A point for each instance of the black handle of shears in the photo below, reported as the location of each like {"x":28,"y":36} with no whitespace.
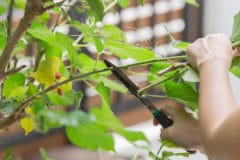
{"x":162,"y":118}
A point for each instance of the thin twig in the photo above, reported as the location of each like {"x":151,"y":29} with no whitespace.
{"x":141,"y":91}
{"x":172,"y":68}
{"x":9,"y":18}
{"x":54,"y":5}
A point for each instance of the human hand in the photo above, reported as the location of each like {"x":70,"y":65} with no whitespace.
{"x":210,"y":49}
{"x":185,"y":129}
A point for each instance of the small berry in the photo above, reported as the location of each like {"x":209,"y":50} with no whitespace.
{"x":58,"y":75}
{"x":59,"y":91}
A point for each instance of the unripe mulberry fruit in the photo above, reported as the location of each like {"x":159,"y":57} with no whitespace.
{"x":58,"y":75}
{"x":59,"y":91}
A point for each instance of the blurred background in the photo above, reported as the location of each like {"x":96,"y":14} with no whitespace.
{"x":144,"y":26}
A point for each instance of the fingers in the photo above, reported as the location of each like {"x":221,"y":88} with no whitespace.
{"x":166,"y":134}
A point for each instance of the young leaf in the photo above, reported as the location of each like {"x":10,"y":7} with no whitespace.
{"x":27,"y":123}
{"x":235,"y":37}
{"x":90,"y":136}
{"x":235,"y":67}
{"x":183,"y":93}
{"x":89,"y":35}
{"x":192,"y":2}
{"x":182,"y":45}
{"x":12,"y":82}
{"x":123,"y":3}
{"x":124,"y":51}
{"x":47,"y":70}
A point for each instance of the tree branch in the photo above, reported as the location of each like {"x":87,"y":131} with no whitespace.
{"x":9,"y":19}
{"x":16,"y":114}
{"x":33,"y":8}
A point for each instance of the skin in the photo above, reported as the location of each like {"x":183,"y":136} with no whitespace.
{"x":217,"y":132}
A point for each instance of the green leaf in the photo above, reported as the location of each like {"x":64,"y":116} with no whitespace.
{"x":106,"y":118}
{"x":191,"y":76}
{"x":192,"y":2}
{"x":43,"y":154}
{"x":170,"y":154}
{"x":183,"y":93}
{"x":123,"y":3}
{"x":20,"y":3}
{"x":141,"y":2}
{"x":96,"y":9}
{"x":89,"y":35}
{"x":2,"y":9}
{"x":168,"y":144}
{"x":9,"y":154}
{"x":182,"y":45}
{"x":67,"y":99}
{"x":48,"y":119}
{"x":66,"y":44}
{"x":41,"y":32}
{"x":104,"y":93}
{"x":53,"y":50}
{"x":112,"y":84}
{"x":235,"y":67}
{"x":156,"y":67}
{"x":90,"y":136}
{"x":12,"y":82}
{"x":124,"y":51}
{"x":235,"y":37}
{"x":89,"y":64}
{"x":112,"y":32}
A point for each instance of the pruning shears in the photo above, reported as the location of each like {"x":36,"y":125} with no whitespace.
{"x":161,"y":117}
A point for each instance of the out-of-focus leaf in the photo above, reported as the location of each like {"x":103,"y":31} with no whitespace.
{"x":95,"y":9}
{"x":156,"y":67}
{"x":106,"y":117}
{"x":67,"y":99}
{"x":192,"y":2}
{"x":9,"y":154}
{"x":47,"y":70}
{"x":90,"y":136}
{"x":182,"y":45}
{"x":112,"y":32}
{"x":170,"y":154}
{"x":123,"y":3}
{"x":235,"y":67}
{"x":235,"y":37}
{"x":112,"y":84}
{"x":141,"y":2}
{"x":27,"y":123}
{"x":12,"y":82}
{"x":2,"y":9}
{"x":41,"y":32}
{"x":124,"y":51}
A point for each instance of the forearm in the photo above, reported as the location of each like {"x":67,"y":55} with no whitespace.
{"x":216,"y":97}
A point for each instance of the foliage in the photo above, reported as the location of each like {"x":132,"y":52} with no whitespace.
{"x":31,"y":94}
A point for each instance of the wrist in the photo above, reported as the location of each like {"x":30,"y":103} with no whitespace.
{"x":214,"y":65}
